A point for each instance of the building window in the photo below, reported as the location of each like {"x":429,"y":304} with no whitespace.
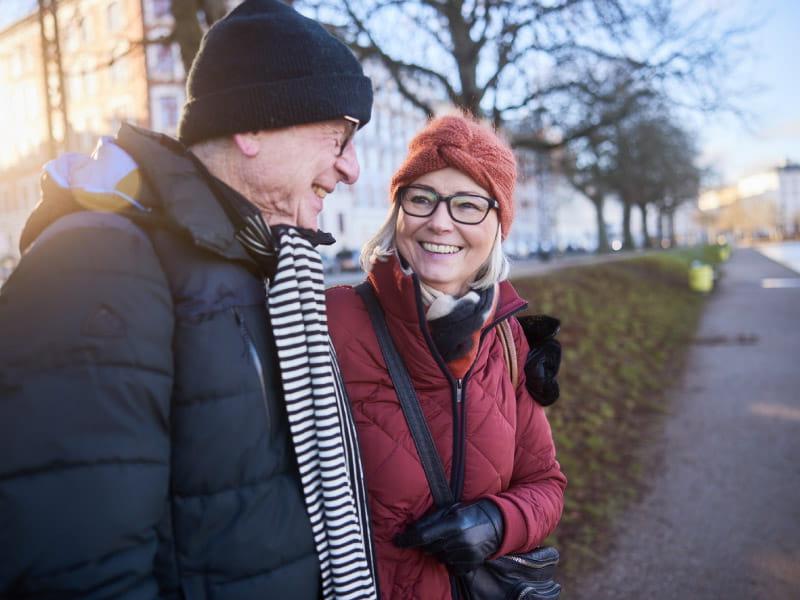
{"x":167,"y":113}
{"x":17,"y":62}
{"x":75,"y":86}
{"x":118,"y":71}
{"x":70,"y":37}
{"x":85,"y":30}
{"x":89,"y":78}
{"x":119,"y":115}
{"x":114,"y":17}
{"x":164,"y":63}
{"x":161,"y":8}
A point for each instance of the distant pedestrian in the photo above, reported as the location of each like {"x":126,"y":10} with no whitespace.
{"x":168,"y":428}
{"x":437,"y":269}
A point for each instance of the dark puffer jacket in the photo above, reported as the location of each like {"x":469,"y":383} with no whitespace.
{"x":144,"y":445}
{"x":494,"y":443}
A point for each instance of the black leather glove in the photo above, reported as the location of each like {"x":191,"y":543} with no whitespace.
{"x":462,"y":536}
{"x":544,"y":358}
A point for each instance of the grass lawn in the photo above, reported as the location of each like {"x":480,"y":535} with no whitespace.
{"x":626,"y":327}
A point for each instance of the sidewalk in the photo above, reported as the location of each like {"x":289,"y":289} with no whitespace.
{"x":721,"y":519}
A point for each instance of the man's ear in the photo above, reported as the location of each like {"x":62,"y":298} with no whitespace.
{"x":248,"y":143}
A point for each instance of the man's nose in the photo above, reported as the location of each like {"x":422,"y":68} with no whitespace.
{"x":347,"y":165}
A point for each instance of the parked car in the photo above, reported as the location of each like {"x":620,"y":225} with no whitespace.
{"x":329,"y":264}
{"x":348,"y":260}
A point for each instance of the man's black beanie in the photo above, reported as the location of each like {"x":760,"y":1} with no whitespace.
{"x":265,"y":66}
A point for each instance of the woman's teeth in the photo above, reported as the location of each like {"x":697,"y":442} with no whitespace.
{"x":440,"y":248}
{"x":320,"y":192}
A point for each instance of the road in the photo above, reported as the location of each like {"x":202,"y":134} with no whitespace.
{"x":721,"y":518}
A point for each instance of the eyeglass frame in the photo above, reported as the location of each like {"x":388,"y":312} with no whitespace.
{"x":446,"y":199}
{"x":349,"y":135}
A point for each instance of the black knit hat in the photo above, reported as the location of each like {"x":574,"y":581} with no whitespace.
{"x":266,"y":66}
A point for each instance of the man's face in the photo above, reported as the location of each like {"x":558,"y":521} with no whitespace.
{"x":296,"y":167}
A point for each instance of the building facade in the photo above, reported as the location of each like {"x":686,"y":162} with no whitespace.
{"x":789,"y":200}
{"x":115,"y":70}
{"x":761,"y":206}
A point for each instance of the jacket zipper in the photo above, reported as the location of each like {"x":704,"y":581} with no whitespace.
{"x":256,"y":360}
{"x":457,"y":476}
{"x":533,"y":564}
{"x":459,"y":413}
{"x":460,"y":441}
{"x":458,"y":456}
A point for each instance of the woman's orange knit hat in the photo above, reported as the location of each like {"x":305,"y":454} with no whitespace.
{"x":466,"y":145}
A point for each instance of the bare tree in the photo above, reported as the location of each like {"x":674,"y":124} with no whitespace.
{"x":586,"y":166}
{"x":191,"y":18}
{"x":684,"y":185}
{"x":645,"y":159}
{"x":654,"y":165}
{"x":509,"y":60}
{"x":592,"y":162}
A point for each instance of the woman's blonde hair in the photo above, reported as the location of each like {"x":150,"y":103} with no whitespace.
{"x":384,"y":244}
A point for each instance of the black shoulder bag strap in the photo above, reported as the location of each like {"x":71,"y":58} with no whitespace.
{"x":428,"y":456}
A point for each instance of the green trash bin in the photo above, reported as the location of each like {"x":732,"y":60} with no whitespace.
{"x":701,"y":277}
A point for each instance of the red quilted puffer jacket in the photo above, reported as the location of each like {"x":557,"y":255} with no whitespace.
{"x":495,"y":443}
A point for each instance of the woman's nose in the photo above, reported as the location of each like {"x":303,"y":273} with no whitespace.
{"x":440,"y":218}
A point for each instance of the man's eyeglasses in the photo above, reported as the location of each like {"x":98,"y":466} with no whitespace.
{"x":352,"y":126}
{"x":422,"y":201}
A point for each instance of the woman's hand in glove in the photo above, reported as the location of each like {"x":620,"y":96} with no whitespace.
{"x":462,"y":536}
{"x":544,"y":358}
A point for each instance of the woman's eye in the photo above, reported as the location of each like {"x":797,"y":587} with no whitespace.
{"x":466,"y":205}
{"x":424,"y":200}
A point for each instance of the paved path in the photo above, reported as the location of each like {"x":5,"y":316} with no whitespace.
{"x":721,"y":519}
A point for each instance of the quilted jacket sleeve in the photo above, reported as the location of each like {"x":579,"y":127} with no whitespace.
{"x":85,"y":383}
{"x":533,"y":503}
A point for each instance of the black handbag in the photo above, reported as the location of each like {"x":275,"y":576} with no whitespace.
{"x":524,"y":576}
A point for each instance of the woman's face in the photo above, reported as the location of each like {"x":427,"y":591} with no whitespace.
{"x":445,"y":254}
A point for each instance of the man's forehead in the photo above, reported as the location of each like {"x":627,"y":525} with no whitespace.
{"x":331,"y":126}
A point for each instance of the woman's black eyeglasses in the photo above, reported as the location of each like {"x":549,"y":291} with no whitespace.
{"x":463,"y":207}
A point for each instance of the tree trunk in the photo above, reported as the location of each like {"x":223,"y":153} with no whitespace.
{"x":602,"y":234}
{"x":671,"y":220}
{"x":186,"y":31}
{"x":660,"y":226}
{"x":466,"y":58}
{"x":647,"y":241}
{"x":627,"y":238}
{"x":216,"y":9}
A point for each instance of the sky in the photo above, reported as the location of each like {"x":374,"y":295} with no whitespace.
{"x":732,"y":148}
{"x":735,"y":149}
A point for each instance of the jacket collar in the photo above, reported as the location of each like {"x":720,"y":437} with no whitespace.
{"x":400,"y":297}
{"x":188,"y":195}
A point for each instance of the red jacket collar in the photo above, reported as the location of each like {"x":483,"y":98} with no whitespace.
{"x":399,"y":293}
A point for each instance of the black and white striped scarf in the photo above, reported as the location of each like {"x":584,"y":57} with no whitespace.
{"x":320,"y":421}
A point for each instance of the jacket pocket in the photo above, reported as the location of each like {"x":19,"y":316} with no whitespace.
{"x":252,"y":353}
